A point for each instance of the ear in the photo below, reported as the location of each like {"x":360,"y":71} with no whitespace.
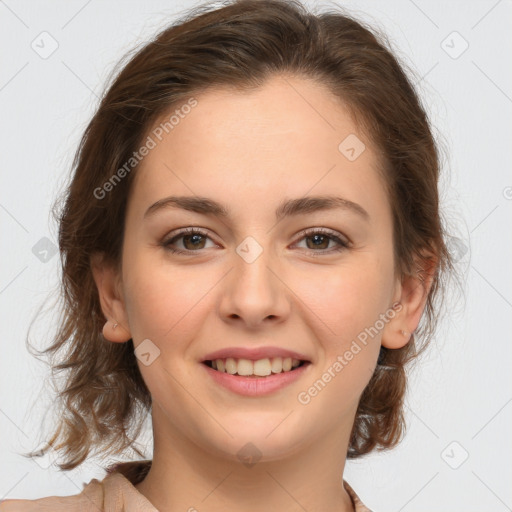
{"x":411,"y":292}
{"x":108,"y":282}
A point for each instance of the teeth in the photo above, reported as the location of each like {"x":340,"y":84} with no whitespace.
{"x":262,"y":367}
{"x":259,"y":368}
{"x":245,"y":367}
{"x":277,"y":365}
{"x":231,"y":366}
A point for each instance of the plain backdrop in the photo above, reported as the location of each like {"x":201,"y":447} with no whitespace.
{"x":456,"y":456}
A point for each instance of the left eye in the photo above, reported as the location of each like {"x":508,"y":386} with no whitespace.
{"x":320,"y":239}
{"x":194,"y":239}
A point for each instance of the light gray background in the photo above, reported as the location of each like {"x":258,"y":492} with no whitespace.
{"x":459,"y":402}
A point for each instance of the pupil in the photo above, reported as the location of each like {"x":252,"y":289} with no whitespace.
{"x":318,"y":238}
{"x":196,"y":237}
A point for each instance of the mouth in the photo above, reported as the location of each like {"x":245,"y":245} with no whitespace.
{"x":260,"y":368}
{"x":256,"y":377}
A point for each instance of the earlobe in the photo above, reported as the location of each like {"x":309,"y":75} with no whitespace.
{"x":393,"y":335}
{"x":106,"y":277}
{"x":413,"y":294}
{"x":113,"y":331}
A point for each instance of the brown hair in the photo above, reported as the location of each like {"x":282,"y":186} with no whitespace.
{"x":241,"y":44}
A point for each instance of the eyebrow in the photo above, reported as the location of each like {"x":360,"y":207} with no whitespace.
{"x":287,"y":208}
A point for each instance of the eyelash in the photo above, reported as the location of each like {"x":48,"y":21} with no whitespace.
{"x":343,"y":245}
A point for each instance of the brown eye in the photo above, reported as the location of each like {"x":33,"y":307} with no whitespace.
{"x":193,"y":240}
{"x":317,"y":241}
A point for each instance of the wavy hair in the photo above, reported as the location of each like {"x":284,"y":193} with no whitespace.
{"x":241,"y":44}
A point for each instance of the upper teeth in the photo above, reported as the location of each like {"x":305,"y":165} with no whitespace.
{"x":261,"y":367}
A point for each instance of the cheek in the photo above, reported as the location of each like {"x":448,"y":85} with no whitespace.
{"x":344,"y":300}
{"x":347,"y":308}
{"x":162,"y":301}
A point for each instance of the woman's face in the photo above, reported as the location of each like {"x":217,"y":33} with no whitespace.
{"x":251,"y":280}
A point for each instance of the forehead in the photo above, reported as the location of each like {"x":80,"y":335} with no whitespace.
{"x":290,"y":134}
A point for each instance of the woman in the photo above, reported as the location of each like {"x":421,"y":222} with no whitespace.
{"x":250,"y":240}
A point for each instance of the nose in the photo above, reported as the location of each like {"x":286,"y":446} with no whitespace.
{"x":254,"y":293}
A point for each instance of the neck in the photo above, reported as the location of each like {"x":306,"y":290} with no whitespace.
{"x":185,"y":476}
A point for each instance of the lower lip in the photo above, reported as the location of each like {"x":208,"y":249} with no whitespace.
{"x":256,"y":386}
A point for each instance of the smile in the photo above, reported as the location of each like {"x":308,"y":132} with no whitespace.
{"x":258,"y":368}
{"x":255,"y":378}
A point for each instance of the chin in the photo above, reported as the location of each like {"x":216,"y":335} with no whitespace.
{"x":256,"y":438}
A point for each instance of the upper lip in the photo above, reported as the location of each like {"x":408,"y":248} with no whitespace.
{"x":254,"y":354}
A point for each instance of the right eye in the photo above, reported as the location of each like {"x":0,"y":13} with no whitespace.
{"x":192,"y":237}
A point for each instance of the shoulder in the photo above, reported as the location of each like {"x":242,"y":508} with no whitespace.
{"x":116,"y":489}
{"x":91,"y":498}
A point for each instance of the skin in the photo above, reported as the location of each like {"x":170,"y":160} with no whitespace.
{"x":249,"y":151}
